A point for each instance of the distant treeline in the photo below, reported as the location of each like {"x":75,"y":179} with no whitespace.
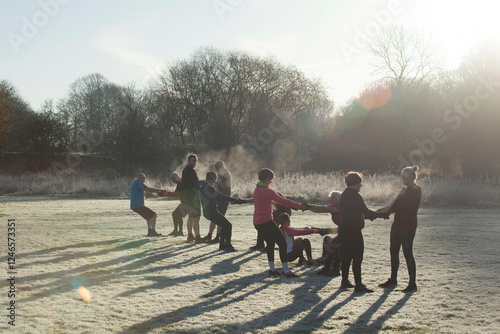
{"x":444,"y":121}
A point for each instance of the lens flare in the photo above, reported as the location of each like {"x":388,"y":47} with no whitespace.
{"x":80,"y":289}
{"x":84,"y":294}
{"x":375,"y":97}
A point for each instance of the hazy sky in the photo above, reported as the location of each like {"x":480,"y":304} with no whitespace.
{"x":47,"y":44}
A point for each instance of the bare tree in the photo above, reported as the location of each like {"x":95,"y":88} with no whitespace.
{"x":406,"y":58}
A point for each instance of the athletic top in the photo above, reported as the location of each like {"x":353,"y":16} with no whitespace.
{"x":263,"y":197}
{"x":137,"y":194}
{"x":353,"y":210}
{"x":209,"y":196}
{"x":290,"y":232}
{"x":191,"y":185}
{"x":405,"y":207}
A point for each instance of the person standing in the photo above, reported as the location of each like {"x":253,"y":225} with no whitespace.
{"x":223,"y":186}
{"x":354,"y":211}
{"x":191,"y":186}
{"x":183,"y":209}
{"x":263,"y":198}
{"x":137,"y":190}
{"x":403,"y":229}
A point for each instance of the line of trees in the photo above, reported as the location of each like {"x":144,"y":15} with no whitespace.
{"x":448,"y":121}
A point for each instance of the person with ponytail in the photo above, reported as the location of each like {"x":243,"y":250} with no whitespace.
{"x":403,"y":229}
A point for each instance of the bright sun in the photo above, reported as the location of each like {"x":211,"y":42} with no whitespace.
{"x":456,"y":26}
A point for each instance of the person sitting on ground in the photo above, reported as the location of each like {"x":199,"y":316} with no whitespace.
{"x":331,"y":246}
{"x":296,"y":247}
{"x":137,"y":190}
{"x":209,"y":196}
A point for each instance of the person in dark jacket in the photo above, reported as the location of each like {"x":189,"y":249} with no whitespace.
{"x":183,"y":209}
{"x":403,"y":229}
{"x":223,"y":185}
{"x":191,"y":186}
{"x":209,"y":198}
{"x":354,"y":211}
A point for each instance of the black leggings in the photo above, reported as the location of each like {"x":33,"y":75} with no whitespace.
{"x":273,"y":235}
{"x":403,"y":238}
{"x":352,"y":251}
{"x":226,"y":227}
{"x":299,"y":247}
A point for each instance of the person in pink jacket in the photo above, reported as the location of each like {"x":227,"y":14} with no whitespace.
{"x":263,"y":198}
{"x":296,"y":247}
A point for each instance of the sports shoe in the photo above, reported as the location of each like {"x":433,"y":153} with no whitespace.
{"x":191,"y":238}
{"x":207,"y":238}
{"x":410,"y":288}
{"x":154,"y":234}
{"x":301,"y":262}
{"x":290,"y":275}
{"x":173,"y":233}
{"x":273,"y":273}
{"x":214,"y":240}
{"x":362,"y":288}
{"x":390,"y":283}
{"x":198,"y":240}
{"x":346,"y":284}
{"x":179,"y":234}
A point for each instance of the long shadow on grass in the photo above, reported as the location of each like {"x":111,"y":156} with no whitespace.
{"x":245,"y":287}
{"x":223,"y":267}
{"x":216,"y":299}
{"x":376,"y":325}
{"x":82,"y":253}
{"x":118,"y":268}
{"x":319,"y":314}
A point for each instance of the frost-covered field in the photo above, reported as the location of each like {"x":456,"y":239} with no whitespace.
{"x":165,"y":285}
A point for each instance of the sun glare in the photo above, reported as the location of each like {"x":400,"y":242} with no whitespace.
{"x":455,"y":26}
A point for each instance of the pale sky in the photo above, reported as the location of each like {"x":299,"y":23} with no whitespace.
{"x":48,"y":44}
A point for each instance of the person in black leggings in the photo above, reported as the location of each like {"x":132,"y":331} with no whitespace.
{"x":354,"y":211}
{"x":405,"y":207}
{"x":209,"y":196}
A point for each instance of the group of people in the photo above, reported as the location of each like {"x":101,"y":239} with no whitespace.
{"x":271,"y":219}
